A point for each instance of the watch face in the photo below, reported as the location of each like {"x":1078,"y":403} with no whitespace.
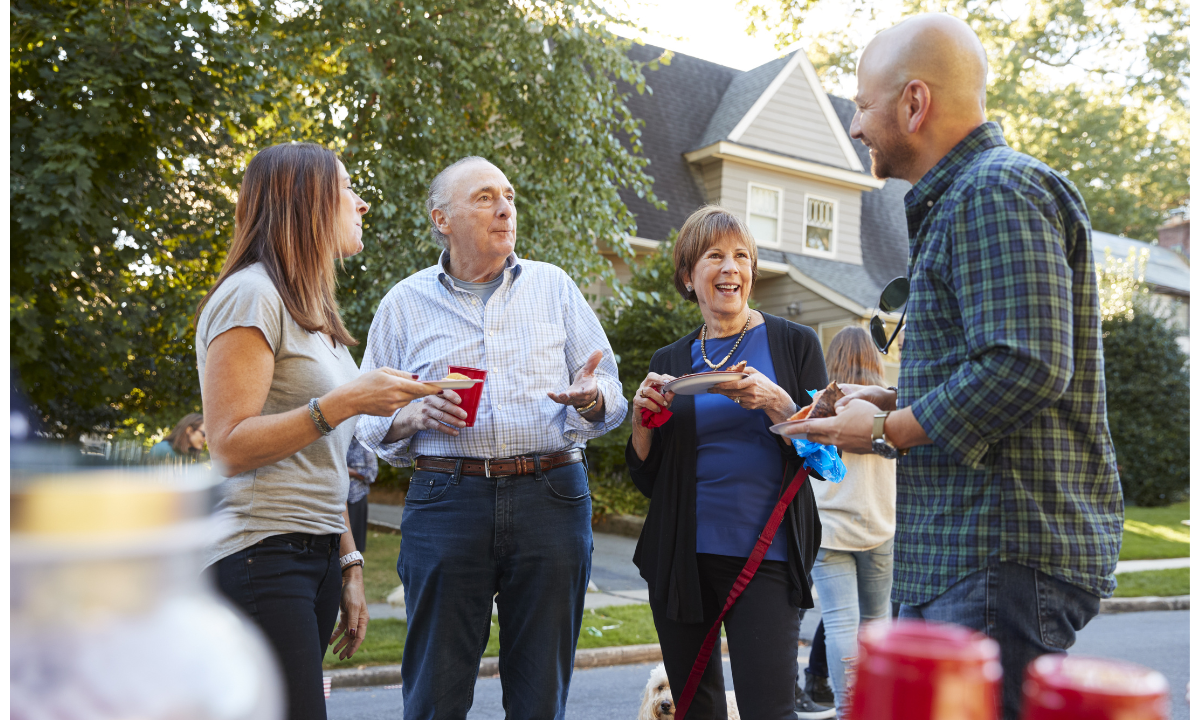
{"x":881,"y":448}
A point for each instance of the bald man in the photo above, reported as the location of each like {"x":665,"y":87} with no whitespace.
{"x":1008,"y":509}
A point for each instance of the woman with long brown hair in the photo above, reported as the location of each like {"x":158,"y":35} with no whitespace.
{"x":853,"y":569}
{"x":186,"y":441}
{"x":281,"y":398}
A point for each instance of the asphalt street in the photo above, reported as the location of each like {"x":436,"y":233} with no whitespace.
{"x":1155,"y":639}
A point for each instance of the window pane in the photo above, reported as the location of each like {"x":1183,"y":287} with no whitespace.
{"x":817,"y":238}
{"x":820,"y":213}
{"x":764,"y":202}
{"x":764,"y":229}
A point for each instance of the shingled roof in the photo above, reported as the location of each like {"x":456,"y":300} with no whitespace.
{"x":695,"y":103}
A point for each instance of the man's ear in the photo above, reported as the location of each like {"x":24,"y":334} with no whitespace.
{"x":915,"y":103}
{"x":440,"y":220}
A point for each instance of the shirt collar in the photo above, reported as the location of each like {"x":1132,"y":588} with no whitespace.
{"x":929,"y":189}
{"x":511,"y":264}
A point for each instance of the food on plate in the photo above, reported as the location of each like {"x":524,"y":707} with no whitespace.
{"x":822,"y":405}
{"x":736,"y":367}
{"x":456,"y":376}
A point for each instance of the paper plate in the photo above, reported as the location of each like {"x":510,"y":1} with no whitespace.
{"x":779,"y":430}
{"x":701,"y":382}
{"x":452,"y":384}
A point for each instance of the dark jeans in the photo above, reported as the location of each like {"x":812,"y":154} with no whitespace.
{"x":1028,"y":612}
{"x":291,"y":586}
{"x":762,"y":629}
{"x":358,"y":522}
{"x":525,"y":539}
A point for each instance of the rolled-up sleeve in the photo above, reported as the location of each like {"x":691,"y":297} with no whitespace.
{"x":1013,"y":285}
{"x":384,"y":349}
{"x":584,"y":335}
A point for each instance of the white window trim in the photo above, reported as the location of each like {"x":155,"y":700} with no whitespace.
{"x":833,"y":235}
{"x":779,"y":218}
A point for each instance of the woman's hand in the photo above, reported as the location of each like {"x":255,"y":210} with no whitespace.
{"x":880,"y":397}
{"x":649,"y":396}
{"x":380,"y":392}
{"x":757,"y":392}
{"x":352,"y":625}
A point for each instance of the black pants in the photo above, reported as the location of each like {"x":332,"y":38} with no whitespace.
{"x":291,"y":586}
{"x":358,"y":523}
{"x":762,"y":629}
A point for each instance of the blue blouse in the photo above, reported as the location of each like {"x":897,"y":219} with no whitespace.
{"x":739,"y":468}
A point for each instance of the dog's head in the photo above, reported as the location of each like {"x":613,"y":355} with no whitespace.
{"x":657,"y":703}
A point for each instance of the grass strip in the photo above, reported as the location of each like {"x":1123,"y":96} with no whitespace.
{"x":610,"y":627}
{"x":379,"y":571}
{"x":1154,"y":583}
{"x":1156,"y":532}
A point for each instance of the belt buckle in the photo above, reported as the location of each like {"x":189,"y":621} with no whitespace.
{"x":487,"y":468}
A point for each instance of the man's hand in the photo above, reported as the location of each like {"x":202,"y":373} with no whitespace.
{"x":849,"y":430}
{"x":584,"y":390}
{"x":439,"y":412}
{"x":880,"y":397}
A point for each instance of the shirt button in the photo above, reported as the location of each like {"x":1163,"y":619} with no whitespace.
{"x":929,"y":203}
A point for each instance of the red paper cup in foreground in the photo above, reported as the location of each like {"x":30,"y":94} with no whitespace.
{"x":913,"y":670}
{"x":470,"y":396}
{"x":1088,"y":688}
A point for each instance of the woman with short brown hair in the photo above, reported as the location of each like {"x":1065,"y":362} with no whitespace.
{"x":713,"y":473}
{"x":281,"y":395}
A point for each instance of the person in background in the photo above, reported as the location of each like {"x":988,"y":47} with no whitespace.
{"x":853,"y":570}
{"x":187,"y":440}
{"x":363,"y":467}
{"x":282,"y":395}
{"x":714,"y":472}
{"x":814,"y":695}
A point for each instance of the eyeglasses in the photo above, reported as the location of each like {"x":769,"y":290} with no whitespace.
{"x":893,"y":297}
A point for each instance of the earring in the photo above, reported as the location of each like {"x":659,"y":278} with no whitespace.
{"x":689,"y":287}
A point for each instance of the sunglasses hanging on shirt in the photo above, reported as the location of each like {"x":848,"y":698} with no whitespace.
{"x":893,"y":297}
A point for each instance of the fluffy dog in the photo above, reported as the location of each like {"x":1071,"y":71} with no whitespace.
{"x":657,"y":703}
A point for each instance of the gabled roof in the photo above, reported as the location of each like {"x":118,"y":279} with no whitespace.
{"x":1166,"y":272}
{"x":745,"y":89}
{"x":676,"y":112}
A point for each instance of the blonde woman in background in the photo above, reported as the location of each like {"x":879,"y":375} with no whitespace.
{"x":853,"y":569}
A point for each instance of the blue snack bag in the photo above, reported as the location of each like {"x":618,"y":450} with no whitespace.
{"x":824,"y":459}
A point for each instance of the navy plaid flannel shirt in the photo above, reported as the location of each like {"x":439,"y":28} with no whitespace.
{"x":1003,"y":367}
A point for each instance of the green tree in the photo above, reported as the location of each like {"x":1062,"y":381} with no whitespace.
{"x":1094,"y":88}
{"x":125,"y":140}
{"x":655,"y":317}
{"x":132,"y":123}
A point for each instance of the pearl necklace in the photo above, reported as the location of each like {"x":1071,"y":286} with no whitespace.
{"x":704,"y":336}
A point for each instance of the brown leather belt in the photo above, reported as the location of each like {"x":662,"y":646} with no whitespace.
{"x":499,"y":467}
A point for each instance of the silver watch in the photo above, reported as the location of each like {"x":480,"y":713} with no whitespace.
{"x":348,"y":558}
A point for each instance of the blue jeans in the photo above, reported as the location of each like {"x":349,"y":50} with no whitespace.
{"x":525,"y":539}
{"x":854,"y":587}
{"x":291,"y":586}
{"x":1028,"y":612}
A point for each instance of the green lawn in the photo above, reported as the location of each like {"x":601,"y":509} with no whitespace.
{"x":606,"y":627}
{"x":379,"y":572}
{"x":1152,"y":533}
{"x":1161,"y":583}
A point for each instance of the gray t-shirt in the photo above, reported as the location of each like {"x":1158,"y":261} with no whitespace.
{"x":306,"y":492}
{"x":483,"y":290}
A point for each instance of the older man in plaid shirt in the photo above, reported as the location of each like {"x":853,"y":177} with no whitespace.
{"x":499,"y":509}
{"x":1009,"y":509}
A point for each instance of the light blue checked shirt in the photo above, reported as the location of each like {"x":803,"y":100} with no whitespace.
{"x":532,"y":336}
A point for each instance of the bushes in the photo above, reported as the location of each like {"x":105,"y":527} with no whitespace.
{"x":654,"y":317}
{"x":1145,"y":372}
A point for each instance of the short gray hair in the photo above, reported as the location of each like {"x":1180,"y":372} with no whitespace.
{"x":439,"y":197}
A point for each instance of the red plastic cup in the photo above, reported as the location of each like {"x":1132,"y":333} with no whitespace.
{"x":913,"y":670}
{"x":1089,"y":688}
{"x":470,"y":396}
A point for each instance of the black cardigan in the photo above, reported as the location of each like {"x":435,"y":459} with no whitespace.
{"x":666,"y":550}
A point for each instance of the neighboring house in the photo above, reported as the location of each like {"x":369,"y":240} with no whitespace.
{"x":1167,"y":275}
{"x":772,"y":146}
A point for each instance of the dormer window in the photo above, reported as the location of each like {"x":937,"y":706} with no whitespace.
{"x":820,"y":217}
{"x":765,"y":213}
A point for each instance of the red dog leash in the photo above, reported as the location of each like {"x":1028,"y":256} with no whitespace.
{"x":743,"y":579}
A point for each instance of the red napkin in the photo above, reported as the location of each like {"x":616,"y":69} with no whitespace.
{"x":654,"y":419}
